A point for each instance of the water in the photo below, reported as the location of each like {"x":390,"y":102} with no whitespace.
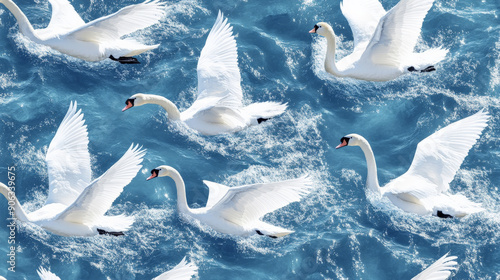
{"x":339,"y":233}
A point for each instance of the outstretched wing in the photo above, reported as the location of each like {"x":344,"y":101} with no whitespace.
{"x":215,"y":192}
{"x":121,"y":23}
{"x":97,"y":198}
{"x":246,"y":204}
{"x":64,"y":17}
{"x":182,"y":271}
{"x":440,"y":270}
{"x":363,"y":17}
{"x":68,"y":159}
{"x":397,"y":32}
{"x":218,"y":73}
{"x":439,"y":156}
{"x":46,"y":275}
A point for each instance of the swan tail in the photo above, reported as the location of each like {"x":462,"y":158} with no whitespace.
{"x":272,"y":231}
{"x":262,"y":111}
{"x":115,"y":223}
{"x":423,"y":61}
{"x":456,"y":205}
{"x":130,"y":47}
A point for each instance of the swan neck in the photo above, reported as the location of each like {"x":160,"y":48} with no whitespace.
{"x":172,"y":110}
{"x":13,"y":202}
{"x":330,"y":65}
{"x":371,"y":178}
{"x":24,"y":25}
{"x":181,"y":192}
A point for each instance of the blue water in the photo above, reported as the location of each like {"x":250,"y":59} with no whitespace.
{"x":339,"y":234}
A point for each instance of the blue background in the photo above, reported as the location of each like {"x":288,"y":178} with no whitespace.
{"x":340,"y":233}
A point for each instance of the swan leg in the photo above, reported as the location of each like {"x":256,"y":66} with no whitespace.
{"x":114,"y":233}
{"x":428,"y":69}
{"x":440,"y":214}
{"x":125,"y":59}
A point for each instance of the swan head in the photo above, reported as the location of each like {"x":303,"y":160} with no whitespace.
{"x":350,"y":140}
{"x":161,"y":171}
{"x":134,"y":100}
{"x":322,"y":28}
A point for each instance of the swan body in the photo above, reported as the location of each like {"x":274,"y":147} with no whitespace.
{"x":424,"y":188}
{"x":218,"y":108}
{"x":237,"y":210}
{"x":95,"y":40}
{"x":76,"y":205}
{"x":439,"y":270}
{"x":383,"y":41}
{"x":182,"y":271}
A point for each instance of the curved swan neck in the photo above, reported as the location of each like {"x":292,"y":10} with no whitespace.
{"x":330,"y":65}
{"x":181,"y":191}
{"x":172,"y":110}
{"x":11,"y":196}
{"x":24,"y":25}
{"x":371,"y":177}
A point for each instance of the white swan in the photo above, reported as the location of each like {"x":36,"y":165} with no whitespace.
{"x":424,"y":188}
{"x":218,"y":108}
{"x":182,"y":271}
{"x":96,"y":40}
{"x":238,"y":210}
{"x":76,"y":205}
{"x":439,"y":270}
{"x":383,"y":42}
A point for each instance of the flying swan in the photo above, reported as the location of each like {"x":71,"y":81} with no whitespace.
{"x":439,"y":270}
{"x":76,"y":205}
{"x":238,"y":210}
{"x":424,"y":188}
{"x":182,"y":271}
{"x":383,"y":41}
{"x":218,"y":108}
{"x":96,"y":40}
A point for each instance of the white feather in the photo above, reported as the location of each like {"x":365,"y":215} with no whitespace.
{"x":46,"y":275}
{"x":439,"y":270}
{"x":182,"y":271}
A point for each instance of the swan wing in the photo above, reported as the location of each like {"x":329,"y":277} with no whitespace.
{"x":64,"y":17}
{"x":215,"y":192}
{"x":218,"y":72}
{"x":439,"y":156}
{"x":68,"y":159}
{"x":363,"y":17}
{"x":46,"y":275}
{"x":439,"y":270}
{"x":397,"y":32}
{"x":121,"y":23}
{"x":246,"y":204}
{"x":97,"y":198}
{"x":182,"y":271}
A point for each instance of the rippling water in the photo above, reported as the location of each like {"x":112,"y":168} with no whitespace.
{"x":340,"y":233}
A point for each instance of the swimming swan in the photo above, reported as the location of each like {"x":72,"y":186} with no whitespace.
{"x":423,"y":189}
{"x":218,"y":108}
{"x":238,"y":210}
{"x":383,"y":41}
{"x":182,"y":271}
{"x":439,"y":270}
{"x":76,"y":205}
{"x":96,"y":40}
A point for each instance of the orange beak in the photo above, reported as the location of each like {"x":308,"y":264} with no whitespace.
{"x":129,"y":105}
{"x":343,"y":144}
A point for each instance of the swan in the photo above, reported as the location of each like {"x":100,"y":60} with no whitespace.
{"x":218,"y":108}
{"x":96,"y":40}
{"x":439,"y":270}
{"x":424,"y":188}
{"x":237,"y":210}
{"x":76,"y":205}
{"x":182,"y":271}
{"x":383,"y":41}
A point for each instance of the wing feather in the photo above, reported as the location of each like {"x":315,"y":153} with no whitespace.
{"x":363,"y":17}
{"x":218,"y":72}
{"x":439,"y":270}
{"x":64,"y":17}
{"x":68,"y":159}
{"x":97,"y":198}
{"x":246,"y":204}
{"x":46,"y":275}
{"x":182,"y":271}
{"x":397,"y":32}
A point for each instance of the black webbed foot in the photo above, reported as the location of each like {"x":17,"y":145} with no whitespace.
{"x":114,"y":233}
{"x":125,"y":59}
